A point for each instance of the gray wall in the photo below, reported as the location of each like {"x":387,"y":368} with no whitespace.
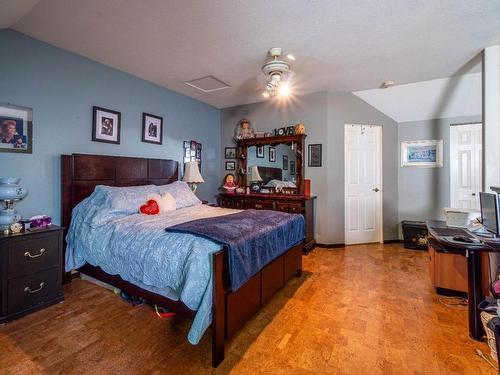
{"x":62,"y":87}
{"x":424,"y":192}
{"x":324,"y":115}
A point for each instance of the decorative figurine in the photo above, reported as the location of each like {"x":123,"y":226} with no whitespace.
{"x":300,"y":129}
{"x":16,"y":227}
{"x":244,"y":130}
{"x":229,"y":184}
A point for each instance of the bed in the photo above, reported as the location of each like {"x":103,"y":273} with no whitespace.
{"x":229,"y":309}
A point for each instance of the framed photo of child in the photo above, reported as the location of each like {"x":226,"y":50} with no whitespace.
{"x":16,"y":129}
{"x":106,"y":125}
{"x":152,"y":128}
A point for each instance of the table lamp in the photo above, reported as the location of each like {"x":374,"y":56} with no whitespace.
{"x":254,"y":178}
{"x":192,"y":175}
{"x":10,"y":192}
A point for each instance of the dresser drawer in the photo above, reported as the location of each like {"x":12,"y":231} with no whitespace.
{"x":259,"y":205}
{"x":29,"y":291}
{"x":294,"y":208}
{"x":232,"y":203}
{"x":27,"y":257}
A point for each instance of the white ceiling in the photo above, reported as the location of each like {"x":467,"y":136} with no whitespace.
{"x":13,"y":10}
{"x":344,"y":45}
{"x":440,"y":98}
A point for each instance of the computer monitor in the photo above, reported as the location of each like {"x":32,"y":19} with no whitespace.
{"x":490,"y":212}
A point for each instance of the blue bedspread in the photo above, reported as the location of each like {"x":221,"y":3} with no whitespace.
{"x":253,"y":238}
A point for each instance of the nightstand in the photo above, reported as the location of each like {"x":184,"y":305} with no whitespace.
{"x":30,"y":271}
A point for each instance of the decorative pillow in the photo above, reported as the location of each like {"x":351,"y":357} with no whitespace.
{"x":164,"y":201}
{"x":150,"y":208}
{"x":182,"y":193}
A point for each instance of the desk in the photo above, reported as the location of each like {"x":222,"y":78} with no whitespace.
{"x":441,"y":238}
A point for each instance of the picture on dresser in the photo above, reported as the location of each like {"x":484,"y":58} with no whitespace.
{"x":230,"y":152}
{"x":152,"y":128}
{"x":314,"y":157}
{"x":16,"y":128}
{"x":105,"y":125}
{"x":230,"y":165}
{"x":272,"y":154}
{"x":259,"y":151}
{"x":285,"y":162}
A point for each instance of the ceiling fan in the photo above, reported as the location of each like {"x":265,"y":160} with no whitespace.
{"x":278,"y":74}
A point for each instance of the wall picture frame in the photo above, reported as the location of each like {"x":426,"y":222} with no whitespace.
{"x":285,"y":162}
{"x":152,"y":128}
{"x":106,"y":125}
{"x":422,"y":153}
{"x":259,"y":152}
{"x":16,"y":129}
{"x":314,"y":155}
{"x":230,"y":165}
{"x":230,"y":152}
{"x":272,"y":154}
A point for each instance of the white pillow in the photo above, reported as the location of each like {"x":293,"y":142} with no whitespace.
{"x":166,"y":202}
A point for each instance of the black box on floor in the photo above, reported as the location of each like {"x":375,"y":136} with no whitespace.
{"x":414,"y":234}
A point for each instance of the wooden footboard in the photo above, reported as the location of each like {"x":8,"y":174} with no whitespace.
{"x":231,"y":309}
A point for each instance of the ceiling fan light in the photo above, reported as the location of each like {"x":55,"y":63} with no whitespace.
{"x":290,"y":57}
{"x":284,"y":90}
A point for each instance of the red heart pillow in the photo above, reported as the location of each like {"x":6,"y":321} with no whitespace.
{"x":150,"y":208}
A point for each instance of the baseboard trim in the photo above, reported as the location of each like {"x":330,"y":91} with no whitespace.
{"x":392,"y":241}
{"x":330,"y":245}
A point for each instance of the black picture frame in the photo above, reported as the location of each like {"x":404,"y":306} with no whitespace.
{"x":230,"y":165}
{"x":259,"y":152}
{"x":18,"y":121}
{"x":102,"y":137}
{"x":272,"y":154}
{"x":292,"y":167}
{"x":314,"y":155}
{"x":285,"y":162}
{"x":230,"y":152}
{"x":150,"y":132}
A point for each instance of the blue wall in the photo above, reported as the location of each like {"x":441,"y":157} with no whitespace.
{"x":62,"y":87}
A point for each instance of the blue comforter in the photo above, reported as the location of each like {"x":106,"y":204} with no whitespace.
{"x":253,"y":238}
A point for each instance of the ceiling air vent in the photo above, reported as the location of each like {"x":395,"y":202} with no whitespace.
{"x":207,"y":84}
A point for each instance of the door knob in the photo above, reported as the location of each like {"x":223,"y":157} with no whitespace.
{"x":376,"y":190}
{"x":473,"y":194}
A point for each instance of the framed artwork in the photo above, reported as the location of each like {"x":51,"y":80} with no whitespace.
{"x":106,"y":125}
{"x":259,"y":151}
{"x":152,"y":128}
{"x":292,"y":167}
{"x":230,"y":152}
{"x":192,"y":152}
{"x":16,"y":129}
{"x":285,"y":162}
{"x":314,"y":155}
{"x":272,"y":154}
{"x":230,"y":165}
{"x":423,"y":154}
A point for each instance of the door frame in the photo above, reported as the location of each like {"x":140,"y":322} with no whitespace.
{"x":380,"y":171}
{"x":451,"y":150}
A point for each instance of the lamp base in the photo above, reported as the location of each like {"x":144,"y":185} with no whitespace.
{"x":193,"y":186}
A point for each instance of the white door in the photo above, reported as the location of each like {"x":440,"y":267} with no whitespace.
{"x":466,"y":149}
{"x":363,"y":183}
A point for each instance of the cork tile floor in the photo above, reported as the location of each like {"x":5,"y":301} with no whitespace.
{"x":366,"y":309}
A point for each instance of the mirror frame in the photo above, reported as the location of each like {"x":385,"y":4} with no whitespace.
{"x":242,"y":156}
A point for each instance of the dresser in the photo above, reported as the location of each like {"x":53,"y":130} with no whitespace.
{"x":30,"y":271}
{"x":292,"y":203}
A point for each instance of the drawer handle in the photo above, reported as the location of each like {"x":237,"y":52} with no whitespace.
{"x":27,"y":289}
{"x":258,"y":206}
{"x":28,"y":254}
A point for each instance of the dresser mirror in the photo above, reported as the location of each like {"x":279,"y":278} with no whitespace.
{"x":271,"y":164}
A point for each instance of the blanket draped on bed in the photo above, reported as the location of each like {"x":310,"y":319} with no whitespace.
{"x":253,"y":238}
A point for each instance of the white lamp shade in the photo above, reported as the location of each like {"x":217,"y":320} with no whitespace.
{"x":254,"y":174}
{"x":192,"y":173}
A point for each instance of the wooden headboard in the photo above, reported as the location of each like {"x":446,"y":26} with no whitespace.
{"x":81,"y":173}
{"x":270,"y":173}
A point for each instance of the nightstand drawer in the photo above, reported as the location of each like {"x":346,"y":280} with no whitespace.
{"x":36,"y":254}
{"x":29,"y":291}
